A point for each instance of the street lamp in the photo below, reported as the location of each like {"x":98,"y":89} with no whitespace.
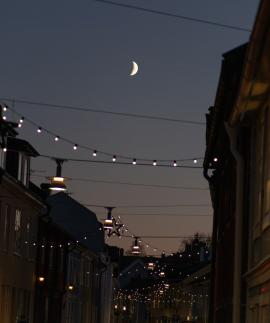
{"x":108,"y":223}
{"x":58,"y":182}
{"x":136,"y":247}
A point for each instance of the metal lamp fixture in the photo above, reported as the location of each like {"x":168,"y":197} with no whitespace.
{"x":136,"y":247}
{"x":58,"y":182}
{"x":108,"y":223}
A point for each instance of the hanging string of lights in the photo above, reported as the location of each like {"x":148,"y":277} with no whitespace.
{"x":119,"y":159}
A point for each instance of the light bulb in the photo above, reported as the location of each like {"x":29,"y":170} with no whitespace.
{"x":195,"y":161}
{"x":75,"y":147}
{"x":154,"y":163}
{"x":114,"y":159}
{"x":215,"y":159}
{"x":134,"y":162}
{"x":56,"y":138}
{"x":4,"y":118}
{"x":5,"y":149}
{"x":21,"y":119}
{"x":39,"y":130}
{"x":175,"y":163}
{"x":19,"y":125}
{"x":95,"y":153}
{"x":5,"y":108}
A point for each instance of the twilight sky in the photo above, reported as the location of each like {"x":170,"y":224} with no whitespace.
{"x":79,"y":53}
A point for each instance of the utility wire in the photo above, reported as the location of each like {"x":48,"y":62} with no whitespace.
{"x":130,"y":183}
{"x":149,"y":206}
{"x":165,"y":237}
{"x":123,"y":114}
{"x":191,"y":19}
{"x":163,"y":214}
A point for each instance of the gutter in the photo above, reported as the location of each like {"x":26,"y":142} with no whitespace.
{"x":232,"y":133}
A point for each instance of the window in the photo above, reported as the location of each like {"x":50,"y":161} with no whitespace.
{"x":23,"y":169}
{"x":5,"y":231}
{"x":17,"y":232}
{"x":2,"y":158}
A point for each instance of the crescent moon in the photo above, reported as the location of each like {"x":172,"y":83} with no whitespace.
{"x":135,"y":69}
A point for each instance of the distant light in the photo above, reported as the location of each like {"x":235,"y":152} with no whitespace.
{"x":114,"y":159}
{"x":5,"y":108}
{"x":124,"y":308}
{"x":70,"y":287}
{"x":19,"y":125}
{"x":116,"y":306}
{"x":75,"y":147}
{"x":134,"y":162}
{"x":21,"y":119}
{"x":95,"y":153}
{"x":215,"y":159}
{"x":154,"y":163}
{"x":175,"y":163}
{"x":195,"y":161}
{"x":41,"y":279}
{"x":5,"y":149}
{"x":4,"y":118}
{"x":56,"y":138}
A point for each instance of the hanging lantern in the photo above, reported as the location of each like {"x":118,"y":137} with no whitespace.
{"x":108,"y":223}
{"x":151,"y":266}
{"x":58,"y":182}
{"x":136,"y":247}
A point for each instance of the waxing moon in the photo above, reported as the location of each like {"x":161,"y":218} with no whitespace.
{"x":135,"y":68}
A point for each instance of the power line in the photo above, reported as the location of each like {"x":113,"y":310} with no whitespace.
{"x":165,"y":237}
{"x":131,"y":183}
{"x":163,"y":214}
{"x":92,"y":110}
{"x":150,"y":206}
{"x":192,"y":19}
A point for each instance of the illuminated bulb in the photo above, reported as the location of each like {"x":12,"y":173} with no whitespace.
{"x":4,"y":118}
{"x":124,"y":308}
{"x":114,"y":159}
{"x":4,"y":108}
{"x":19,"y":125}
{"x":41,"y":279}
{"x":22,"y":119}
{"x":56,"y":138}
{"x":134,"y":162}
{"x":175,"y":163}
{"x":70,"y":287}
{"x":95,"y":153}
{"x":154,"y":163}
{"x":39,"y":130}
{"x":195,"y":161}
{"x":215,"y":159}
{"x":5,"y":149}
{"x":75,"y":147}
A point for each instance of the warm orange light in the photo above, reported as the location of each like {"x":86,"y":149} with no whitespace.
{"x":41,"y":279}
{"x":70,"y":287}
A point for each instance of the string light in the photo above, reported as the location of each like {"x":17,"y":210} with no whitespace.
{"x":21,"y":120}
{"x":154,"y":163}
{"x":114,"y":158}
{"x":94,"y":152}
{"x":175,"y":163}
{"x":75,"y":147}
{"x":56,"y":138}
{"x":4,"y":118}
{"x":134,"y":162}
{"x":195,"y":161}
{"x":215,"y":159}
{"x":5,"y":108}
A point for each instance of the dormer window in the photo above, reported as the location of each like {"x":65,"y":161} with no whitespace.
{"x":23,"y":168}
{"x":18,"y":158}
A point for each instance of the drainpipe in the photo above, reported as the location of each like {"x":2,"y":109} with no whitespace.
{"x":237,"y":279}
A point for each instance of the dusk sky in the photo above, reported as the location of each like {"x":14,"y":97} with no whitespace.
{"x":80,"y":53}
